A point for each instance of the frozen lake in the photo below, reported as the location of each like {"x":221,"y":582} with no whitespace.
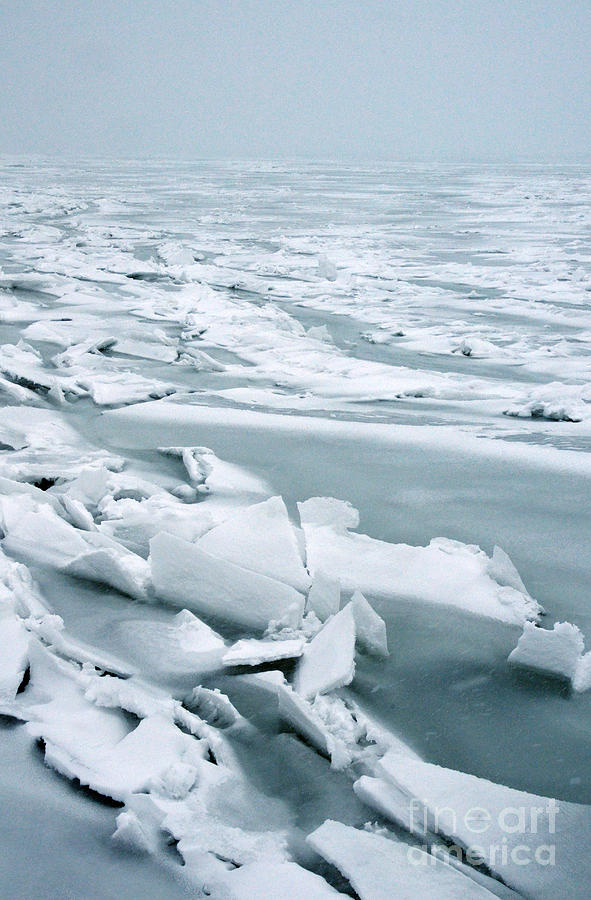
{"x":415,"y":341}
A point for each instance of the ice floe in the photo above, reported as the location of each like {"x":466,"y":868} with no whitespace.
{"x":384,"y":868}
{"x":184,"y":574}
{"x":250,"y":652}
{"x":559,"y":652}
{"x":446,"y":572}
{"x":328,"y":660}
{"x":536,"y":845}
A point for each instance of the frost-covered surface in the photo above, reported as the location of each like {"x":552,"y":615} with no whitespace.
{"x":292,"y":459}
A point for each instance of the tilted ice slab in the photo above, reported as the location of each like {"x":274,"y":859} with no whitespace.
{"x":34,"y":530}
{"x":184,"y":574}
{"x":262,"y":539}
{"x":370,"y":629}
{"x":251,"y":652}
{"x":185,"y":645}
{"x":538,"y":846}
{"x":384,"y":868}
{"x":445,"y":572}
{"x":324,"y":596}
{"x":328,"y":661}
{"x":559,"y":652}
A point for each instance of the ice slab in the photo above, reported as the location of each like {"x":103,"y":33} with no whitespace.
{"x":260,"y":538}
{"x":539,"y":846}
{"x":182,"y":573}
{"x":328,"y":661}
{"x":14,"y":642}
{"x":370,"y":629}
{"x":185,"y":646}
{"x":270,"y":880}
{"x":558,"y":652}
{"x":251,"y":652}
{"x":324,"y":596}
{"x":446,"y":572}
{"x":384,"y":868}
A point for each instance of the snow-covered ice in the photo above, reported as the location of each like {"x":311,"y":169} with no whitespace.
{"x":184,"y":574}
{"x":381,"y":868}
{"x":328,"y":660}
{"x":445,"y":571}
{"x":559,"y":652}
{"x":293,"y":458}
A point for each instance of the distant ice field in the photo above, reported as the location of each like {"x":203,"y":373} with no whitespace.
{"x":191,"y":355}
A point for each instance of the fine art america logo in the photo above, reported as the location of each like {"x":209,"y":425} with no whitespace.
{"x":515,"y":835}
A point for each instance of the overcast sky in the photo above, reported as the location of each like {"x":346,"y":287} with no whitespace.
{"x":385,"y":79}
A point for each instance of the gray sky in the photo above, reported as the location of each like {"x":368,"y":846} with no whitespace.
{"x":386,"y":79}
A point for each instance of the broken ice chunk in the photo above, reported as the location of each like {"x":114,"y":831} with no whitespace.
{"x":34,"y":530}
{"x":384,"y":868}
{"x":208,"y":473}
{"x":195,"y":461}
{"x":122,"y":388}
{"x":536,"y":845}
{"x":445,"y":572}
{"x":215,"y":708}
{"x":370,"y":629}
{"x":183,"y":573}
{"x":260,"y":538}
{"x":251,"y":652}
{"x":305,"y":720}
{"x":559,"y":652}
{"x":324,"y":597}
{"x":328,"y":661}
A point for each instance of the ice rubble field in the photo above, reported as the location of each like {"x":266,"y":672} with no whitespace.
{"x":294,"y":491}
